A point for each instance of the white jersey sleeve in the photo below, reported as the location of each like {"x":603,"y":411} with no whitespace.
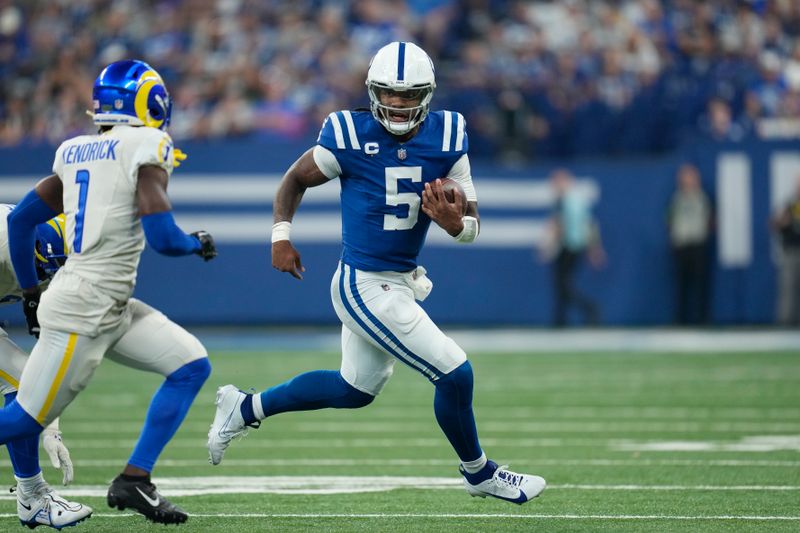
{"x":462,"y":173}
{"x":154,"y":148}
{"x":327,"y":162}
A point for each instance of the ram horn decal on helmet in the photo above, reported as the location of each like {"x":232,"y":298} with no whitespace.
{"x":50,"y":246}
{"x":131,"y":92}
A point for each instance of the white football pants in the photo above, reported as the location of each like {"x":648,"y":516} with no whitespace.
{"x":382,"y":322}
{"x":62,"y":363}
{"x":12,"y":361}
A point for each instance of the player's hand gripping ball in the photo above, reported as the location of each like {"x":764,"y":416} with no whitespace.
{"x":449,"y":185}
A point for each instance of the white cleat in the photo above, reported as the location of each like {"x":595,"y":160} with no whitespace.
{"x":46,"y":508}
{"x":228,"y":422}
{"x":507,"y":485}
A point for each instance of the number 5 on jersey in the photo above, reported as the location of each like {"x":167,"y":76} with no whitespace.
{"x":395,"y":198}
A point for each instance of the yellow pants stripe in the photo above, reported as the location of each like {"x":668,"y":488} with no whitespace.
{"x":62,"y":370}
{"x":8,"y":378}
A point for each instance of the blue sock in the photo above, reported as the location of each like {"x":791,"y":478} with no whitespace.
{"x":24,"y":449}
{"x":485,"y":473}
{"x":452,"y":404}
{"x":167,"y":410}
{"x":318,"y":389}
{"x":246,"y":409}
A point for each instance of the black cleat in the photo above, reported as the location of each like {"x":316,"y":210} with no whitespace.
{"x":142,"y":496}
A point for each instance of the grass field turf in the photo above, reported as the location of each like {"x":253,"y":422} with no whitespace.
{"x":584,"y":421}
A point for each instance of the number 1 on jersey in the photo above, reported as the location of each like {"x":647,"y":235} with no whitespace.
{"x":82,"y":179}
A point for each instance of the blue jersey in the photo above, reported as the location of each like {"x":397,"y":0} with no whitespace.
{"x":383,"y":227}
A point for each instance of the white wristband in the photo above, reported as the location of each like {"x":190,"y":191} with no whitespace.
{"x":470,"y":231}
{"x":281,"y":231}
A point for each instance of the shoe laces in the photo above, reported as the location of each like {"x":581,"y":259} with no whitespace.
{"x":503,"y":475}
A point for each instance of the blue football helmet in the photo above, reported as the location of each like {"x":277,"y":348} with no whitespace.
{"x":131,"y":92}
{"x":50,"y":246}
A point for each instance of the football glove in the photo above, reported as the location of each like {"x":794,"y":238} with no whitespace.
{"x":178,"y":157}
{"x":30,"y":304}
{"x":58,"y":452}
{"x":208,"y":250}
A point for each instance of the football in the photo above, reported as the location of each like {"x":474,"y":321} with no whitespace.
{"x":449,"y":186}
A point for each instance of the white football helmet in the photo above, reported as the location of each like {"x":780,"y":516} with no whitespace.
{"x":405,"y":70}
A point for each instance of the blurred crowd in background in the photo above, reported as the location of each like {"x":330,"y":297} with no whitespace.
{"x":534,"y":79}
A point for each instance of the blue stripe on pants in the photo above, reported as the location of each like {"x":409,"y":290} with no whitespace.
{"x":432,"y":373}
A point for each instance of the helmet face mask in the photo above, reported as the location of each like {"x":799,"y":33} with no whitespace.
{"x":399,"y":119}
{"x":131,"y":92}
{"x":400,"y":83}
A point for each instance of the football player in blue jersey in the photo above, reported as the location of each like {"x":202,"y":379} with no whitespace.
{"x":388,"y":162}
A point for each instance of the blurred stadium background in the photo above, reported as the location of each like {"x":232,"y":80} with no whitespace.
{"x":620,"y":92}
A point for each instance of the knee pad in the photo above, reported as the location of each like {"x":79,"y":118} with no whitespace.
{"x":195,"y":373}
{"x":352,"y":398}
{"x":458,"y":382}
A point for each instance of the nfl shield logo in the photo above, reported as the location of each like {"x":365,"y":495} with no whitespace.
{"x":401,"y":154}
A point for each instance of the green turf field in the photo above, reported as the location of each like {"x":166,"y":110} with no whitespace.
{"x":632,"y":441}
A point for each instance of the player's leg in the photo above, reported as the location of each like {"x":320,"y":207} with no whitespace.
{"x":24,"y":453}
{"x":59,"y":367}
{"x":317,"y":389}
{"x":154,"y":343}
{"x":365,"y":370}
{"x":386,"y":314}
{"x":382,"y":309}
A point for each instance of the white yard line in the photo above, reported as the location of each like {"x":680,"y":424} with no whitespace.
{"x":411,"y":414}
{"x":460,"y":516}
{"x":518,"y":428}
{"x":749,"y":443}
{"x":638,"y":463}
{"x":295,"y":485}
{"x":269,"y":443}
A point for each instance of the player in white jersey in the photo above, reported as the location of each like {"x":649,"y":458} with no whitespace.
{"x":388,"y":163}
{"x":112,"y":188}
{"x":37,"y":502}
